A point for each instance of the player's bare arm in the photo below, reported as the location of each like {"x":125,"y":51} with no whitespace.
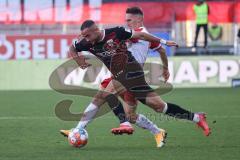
{"x":163,"y":56}
{"x":152,"y":38}
{"x":78,"y":57}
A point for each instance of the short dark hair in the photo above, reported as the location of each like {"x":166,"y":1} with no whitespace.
{"x":87,"y":24}
{"x":134,"y":10}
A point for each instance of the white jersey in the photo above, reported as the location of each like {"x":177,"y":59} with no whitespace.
{"x":140,"y":48}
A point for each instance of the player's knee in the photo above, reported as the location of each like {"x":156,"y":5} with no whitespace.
{"x":97,"y":101}
{"x":157,"y":106}
{"x":102,"y":95}
{"x":98,"y":96}
{"x":158,"y":110}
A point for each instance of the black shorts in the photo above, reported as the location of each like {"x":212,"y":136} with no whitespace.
{"x":132,"y":78}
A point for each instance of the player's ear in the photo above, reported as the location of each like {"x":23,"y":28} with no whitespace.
{"x":96,"y":29}
{"x":139,"y":18}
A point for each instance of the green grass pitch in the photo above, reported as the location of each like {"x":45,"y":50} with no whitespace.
{"x":29,"y":129}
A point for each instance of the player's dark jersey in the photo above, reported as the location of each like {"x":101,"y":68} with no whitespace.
{"x":111,"y":50}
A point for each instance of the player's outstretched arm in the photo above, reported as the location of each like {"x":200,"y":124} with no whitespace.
{"x":152,"y":38}
{"x":163,"y":56}
{"x":79,"y":58}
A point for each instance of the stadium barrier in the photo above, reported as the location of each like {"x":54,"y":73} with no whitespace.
{"x":209,"y":71}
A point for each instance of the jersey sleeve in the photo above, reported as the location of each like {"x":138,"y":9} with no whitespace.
{"x":123,"y":33}
{"x":81,"y":45}
{"x":155,"y":45}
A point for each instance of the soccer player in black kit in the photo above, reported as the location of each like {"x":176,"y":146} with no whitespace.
{"x":109,"y":46}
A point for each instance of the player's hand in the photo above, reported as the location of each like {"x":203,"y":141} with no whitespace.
{"x":85,"y":65}
{"x":171,"y":44}
{"x":80,"y":60}
{"x":166,"y":74}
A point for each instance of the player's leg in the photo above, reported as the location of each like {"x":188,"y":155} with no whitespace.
{"x":116,"y":88}
{"x":205,"y":29}
{"x":90,"y":111}
{"x":99,"y":99}
{"x":155,"y":102}
{"x":140,"y":120}
{"x":105,"y":94}
{"x":88,"y":114}
{"x":130,"y":106}
{"x":196,"y":35}
{"x":133,"y":79}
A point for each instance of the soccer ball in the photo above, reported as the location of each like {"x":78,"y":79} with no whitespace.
{"x":78,"y":137}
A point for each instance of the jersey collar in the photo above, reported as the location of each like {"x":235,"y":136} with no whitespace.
{"x":103,"y":36}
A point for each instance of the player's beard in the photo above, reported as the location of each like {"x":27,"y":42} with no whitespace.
{"x":100,"y":35}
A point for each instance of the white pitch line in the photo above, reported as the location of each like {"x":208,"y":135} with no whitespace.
{"x":108,"y":117}
{"x":25,"y":117}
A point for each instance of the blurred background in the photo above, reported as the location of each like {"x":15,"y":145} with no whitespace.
{"x":35,"y":35}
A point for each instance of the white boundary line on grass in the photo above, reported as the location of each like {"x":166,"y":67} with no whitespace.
{"x":26,"y":117}
{"x":54,"y":117}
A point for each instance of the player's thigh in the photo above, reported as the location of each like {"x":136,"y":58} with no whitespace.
{"x":115,"y":87}
{"x":99,"y":98}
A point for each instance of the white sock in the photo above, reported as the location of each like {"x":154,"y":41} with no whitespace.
{"x":126,"y":123}
{"x":145,"y":123}
{"x":89,"y":114}
{"x":165,"y":108}
{"x":196,"y":118}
